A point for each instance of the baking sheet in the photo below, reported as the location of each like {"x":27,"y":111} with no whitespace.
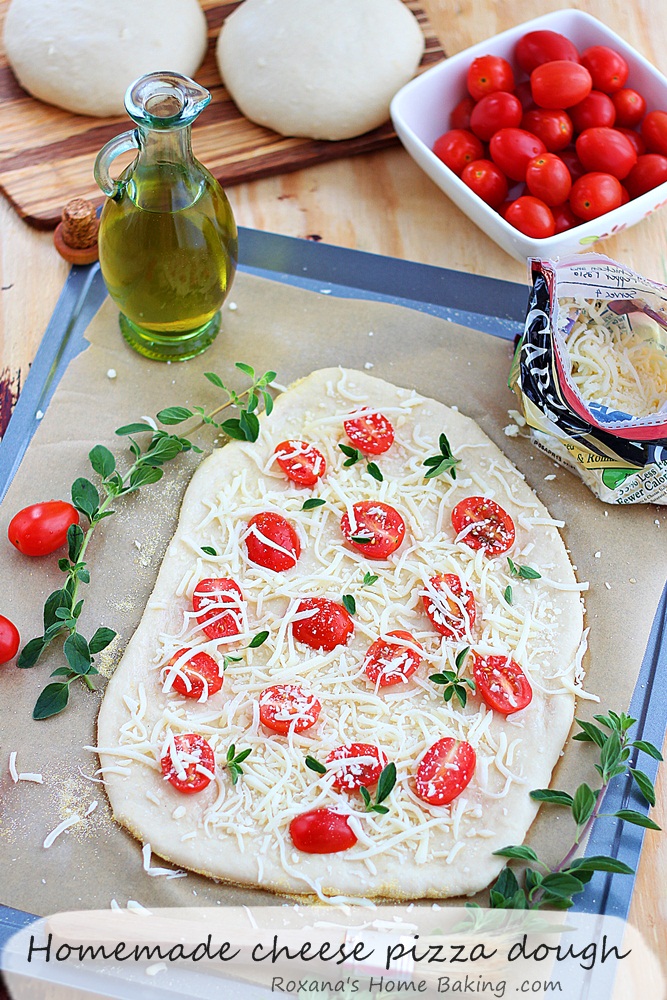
{"x":292,"y":331}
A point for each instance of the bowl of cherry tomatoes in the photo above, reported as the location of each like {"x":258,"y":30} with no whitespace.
{"x":549,"y":136}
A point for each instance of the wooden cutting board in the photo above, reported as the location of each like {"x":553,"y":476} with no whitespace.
{"x":47,"y":155}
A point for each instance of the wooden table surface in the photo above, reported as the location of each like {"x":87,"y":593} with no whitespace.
{"x":381,"y":203}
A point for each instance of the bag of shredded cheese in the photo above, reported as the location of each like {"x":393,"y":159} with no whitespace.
{"x":590,"y":372}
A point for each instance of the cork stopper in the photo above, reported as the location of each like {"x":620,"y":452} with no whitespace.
{"x":76,"y":234}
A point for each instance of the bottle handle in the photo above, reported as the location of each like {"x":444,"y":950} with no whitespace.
{"x":120,"y":144}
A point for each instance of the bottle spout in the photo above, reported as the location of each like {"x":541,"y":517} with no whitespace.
{"x":165,"y":100}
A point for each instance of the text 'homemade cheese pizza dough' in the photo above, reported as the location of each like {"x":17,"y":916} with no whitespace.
{"x":326,"y":70}
{"x":241,"y":832}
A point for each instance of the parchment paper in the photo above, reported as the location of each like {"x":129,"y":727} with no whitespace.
{"x":293,"y":332}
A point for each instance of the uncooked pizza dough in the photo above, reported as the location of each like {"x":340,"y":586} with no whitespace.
{"x":241,"y":832}
{"x":82,"y":55}
{"x":326,"y":70}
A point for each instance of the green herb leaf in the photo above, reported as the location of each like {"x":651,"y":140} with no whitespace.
{"x":58,"y":599}
{"x":268,"y":402}
{"x":583,"y":804}
{"x":77,"y":653}
{"x":506,"y":885}
{"x":209,"y":550}
{"x":144,"y":475}
{"x":101,"y":639}
{"x":51,"y":701}
{"x":369,"y":579}
{"x":74,"y":541}
{"x":232,"y":428}
{"x":133,"y":429}
{"x":31,"y":652}
{"x":524,"y":572}
{"x":365,"y":794}
{"x":102,"y":461}
{"x":315,"y":765}
{"x":349,"y":604}
{"x":522,"y":852}
{"x":386,"y":783}
{"x":644,"y":784}
{"x":85,"y":497}
{"x":601,"y":863}
{"x":353,"y":454}
{"x":590,"y":734}
{"x":249,"y":424}
{"x":554,"y":797}
{"x":444,"y":462}
{"x":257,"y":640}
{"x":507,"y":594}
{"x":246,"y":369}
{"x":174,"y":415}
{"x":374,"y":470}
{"x":648,"y":748}
{"x":215,"y":379}
{"x":562,"y":884}
{"x":610,"y":755}
{"x":461,"y":657}
{"x":312,"y":503}
{"x":360,"y":540}
{"x":637,"y":818}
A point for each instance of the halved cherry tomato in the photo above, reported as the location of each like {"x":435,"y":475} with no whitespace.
{"x":487,"y":74}
{"x":512,"y":149}
{"x":554,"y":128}
{"x":595,"y":111}
{"x":606,"y":150}
{"x":327,"y":625}
{"x":388,"y":663}
{"x":272,"y":542}
{"x":654,"y":132}
{"x":489,"y":527}
{"x":286,"y":707}
{"x":357,"y":773}
{"x":460,"y":116}
{"x":493,"y":112}
{"x":322,"y":831}
{"x":42,"y":528}
{"x":379,"y":529}
{"x":501,"y":683}
{"x":531,"y":216}
{"x":452,"y":609}
{"x":445,"y":770}
{"x":186,"y":775}
{"x":560,"y":84}
{"x":537,"y":47}
{"x":456,"y":149}
{"x":10,"y":640}
{"x":594,"y":194}
{"x":548,"y":179}
{"x":201,"y":671}
{"x":371,"y":432}
{"x":219,"y":601}
{"x":630,"y":107}
{"x":487,"y":181}
{"x":608,"y":68}
{"x":301,"y":462}
{"x":649,"y":171}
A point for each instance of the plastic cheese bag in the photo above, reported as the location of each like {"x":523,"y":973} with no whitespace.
{"x":590,"y":372}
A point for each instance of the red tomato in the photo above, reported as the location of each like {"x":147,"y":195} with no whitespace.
{"x":301,"y":462}
{"x":630,"y":107}
{"x":564,"y":218}
{"x":531,"y":216}
{"x":649,"y":171}
{"x":537,"y":47}
{"x":606,"y":150}
{"x":194,"y":757}
{"x":654,"y":132}
{"x":573,"y":164}
{"x":10,"y":640}
{"x":487,"y":181}
{"x":445,"y":770}
{"x":608,"y":68}
{"x":371,"y":433}
{"x":272,"y":542}
{"x":594,"y":194}
{"x":201,"y":671}
{"x":42,"y":527}
{"x":327,"y":625}
{"x":389,"y":663}
{"x":489,"y":526}
{"x":456,"y":149}
{"x":512,"y":149}
{"x":460,"y":116}
{"x":525,"y":95}
{"x":549,"y":179}
{"x":493,"y":112}
{"x":487,"y":74}
{"x":625,"y":197}
{"x":219,"y":600}
{"x":322,"y":831}
{"x":357,"y":773}
{"x":560,"y":84}
{"x":596,"y":110}
{"x":502,"y":683}
{"x":452,"y":609}
{"x":638,"y":143}
{"x":554,"y":128}
{"x":379,"y":529}
{"x":286,"y":707}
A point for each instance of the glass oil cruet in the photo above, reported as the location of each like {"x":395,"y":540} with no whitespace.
{"x":168,"y":242}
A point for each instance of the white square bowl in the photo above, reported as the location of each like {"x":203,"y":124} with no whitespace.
{"x":420,"y":112}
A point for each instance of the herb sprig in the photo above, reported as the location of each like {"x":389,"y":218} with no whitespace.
{"x":63,"y":608}
{"x":444,"y":461}
{"x":455,"y":684}
{"x":234,"y":760}
{"x":385,"y":786}
{"x":523,"y":572}
{"x":353,"y":455}
{"x":555,"y":887}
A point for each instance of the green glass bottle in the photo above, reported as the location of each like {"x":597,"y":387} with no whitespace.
{"x":168,"y":241}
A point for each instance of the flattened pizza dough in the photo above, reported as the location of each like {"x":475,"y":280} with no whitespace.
{"x":240,"y":832}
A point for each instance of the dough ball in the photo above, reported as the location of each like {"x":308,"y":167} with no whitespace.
{"x":326,"y":69}
{"x":82,"y":55}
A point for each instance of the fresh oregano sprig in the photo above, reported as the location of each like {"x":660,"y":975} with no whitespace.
{"x":353,"y":455}
{"x":63,"y":608}
{"x":555,"y":887}
{"x":234,"y":760}
{"x":454,"y":684}
{"x":523,"y":572}
{"x":385,"y":786}
{"x":444,"y":461}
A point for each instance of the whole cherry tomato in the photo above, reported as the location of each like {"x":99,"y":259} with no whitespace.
{"x":554,"y":128}
{"x":501,"y":683}
{"x":595,"y":110}
{"x":649,"y":171}
{"x":493,"y":112}
{"x":42,"y":527}
{"x":512,"y":149}
{"x":549,"y":179}
{"x":606,"y":150}
{"x":525,"y":95}
{"x":488,"y":74}
{"x":487,"y":181}
{"x":378,"y":531}
{"x":272,"y":542}
{"x":564,"y":218}
{"x":10,"y":640}
{"x":192,"y":768}
{"x":388,"y":663}
{"x":654,"y":132}
{"x":630,"y":107}
{"x":322,"y":624}
{"x":625,"y":196}
{"x":594,"y":194}
{"x":322,"y":831}
{"x":300,"y":461}
{"x":531,"y":216}
{"x":608,"y":68}
{"x":573,"y":163}
{"x":457,"y":148}
{"x":560,"y":84}
{"x":460,"y":116}
{"x":537,"y":47}
{"x":445,"y":770}
{"x":637,"y":142}
{"x":359,"y":772}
